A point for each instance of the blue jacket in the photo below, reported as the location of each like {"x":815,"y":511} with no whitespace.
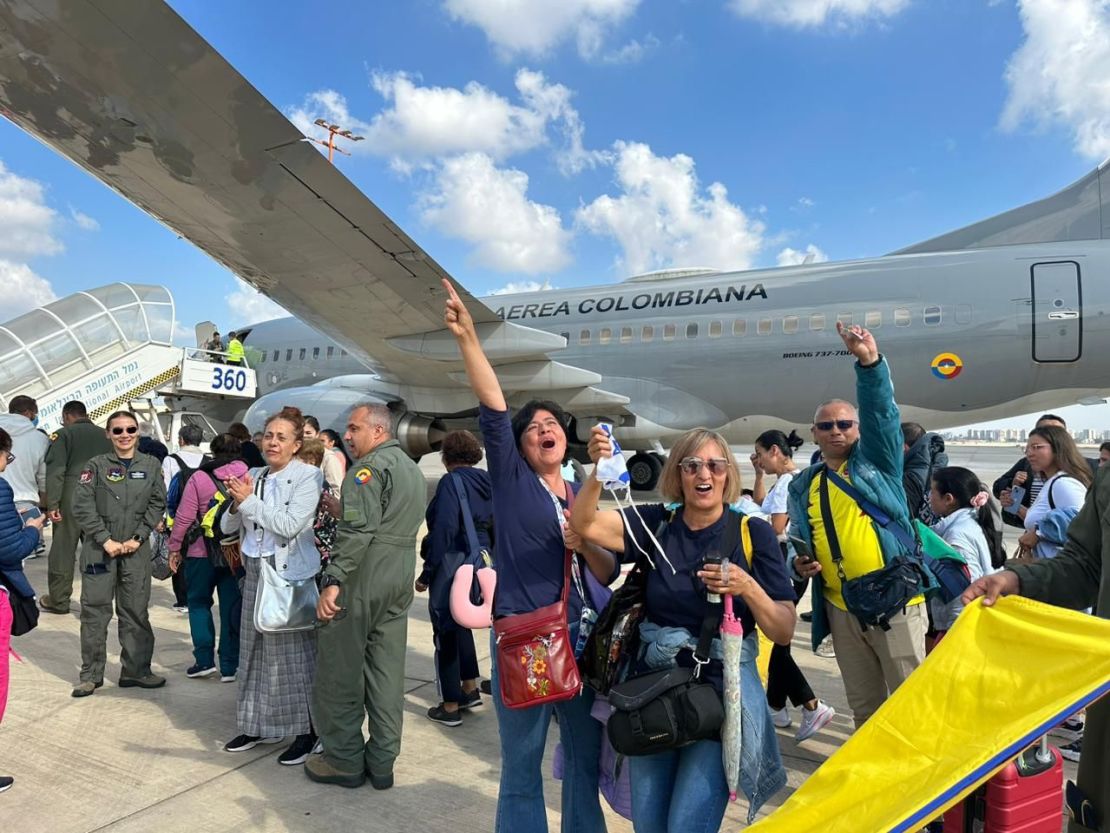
{"x":16,"y":541}
{"x":874,"y":468}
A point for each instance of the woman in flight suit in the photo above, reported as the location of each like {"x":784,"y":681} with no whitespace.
{"x":119,"y":499}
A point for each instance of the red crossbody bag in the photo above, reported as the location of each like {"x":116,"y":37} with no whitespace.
{"x":535,"y":657}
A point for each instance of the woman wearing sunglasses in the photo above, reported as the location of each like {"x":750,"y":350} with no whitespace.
{"x":684,"y":790}
{"x":118,"y":500}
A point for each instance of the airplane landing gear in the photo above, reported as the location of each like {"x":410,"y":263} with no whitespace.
{"x":644,"y":470}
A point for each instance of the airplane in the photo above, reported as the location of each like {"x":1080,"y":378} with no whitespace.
{"x":1004,"y":316}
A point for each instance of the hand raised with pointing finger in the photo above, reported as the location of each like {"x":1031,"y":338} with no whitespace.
{"x":860,"y":342}
{"x":455,"y":314}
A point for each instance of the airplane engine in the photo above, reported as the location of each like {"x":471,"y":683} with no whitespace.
{"x":418,"y":435}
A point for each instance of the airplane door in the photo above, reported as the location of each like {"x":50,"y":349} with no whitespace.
{"x":1057,"y":312}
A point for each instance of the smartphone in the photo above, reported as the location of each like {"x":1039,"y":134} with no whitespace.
{"x":801,"y":549}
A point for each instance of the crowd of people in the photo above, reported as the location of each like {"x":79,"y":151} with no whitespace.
{"x":305,"y":542}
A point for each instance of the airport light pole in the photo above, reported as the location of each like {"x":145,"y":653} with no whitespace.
{"x":333,"y":131}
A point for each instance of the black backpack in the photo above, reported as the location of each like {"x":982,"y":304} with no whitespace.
{"x":177,"y":483}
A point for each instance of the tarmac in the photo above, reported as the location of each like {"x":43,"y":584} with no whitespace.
{"x":132,"y":761}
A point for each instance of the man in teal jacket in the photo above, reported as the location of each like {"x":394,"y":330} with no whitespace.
{"x":865,"y":449}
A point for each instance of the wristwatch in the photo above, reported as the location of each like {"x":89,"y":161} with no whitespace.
{"x":330,"y":581}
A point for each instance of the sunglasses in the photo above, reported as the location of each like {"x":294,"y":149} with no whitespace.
{"x":842,"y":424}
{"x":130,"y":429}
{"x":693,"y":465}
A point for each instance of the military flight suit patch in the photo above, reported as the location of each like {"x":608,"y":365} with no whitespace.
{"x":362,"y":476}
{"x":86,"y":476}
{"x":137,"y":475}
{"x":114,"y":475}
{"x":54,"y":436}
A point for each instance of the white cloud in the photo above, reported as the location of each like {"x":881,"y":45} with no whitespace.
{"x":814,"y":13}
{"x":249,"y":306}
{"x":536,"y":26}
{"x":23,"y":289}
{"x":632,"y":52}
{"x":1059,"y":74}
{"x":794,"y":257}
{"x":487,"y":206}
{"x":662,"y":218}
{"x":422,"y":123}
{"x":515,"y":287}
{"x":83,"y":220}
{"x":26,"y":221}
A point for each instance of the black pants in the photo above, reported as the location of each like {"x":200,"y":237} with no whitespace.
{"x":180,"y":592}
{"x":456,"y":660}
{"x":784,"y":677}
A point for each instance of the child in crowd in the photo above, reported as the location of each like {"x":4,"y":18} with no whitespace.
{"x":968,"y":526}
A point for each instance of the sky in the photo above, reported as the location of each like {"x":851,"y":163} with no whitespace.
{"x":531,"y":143}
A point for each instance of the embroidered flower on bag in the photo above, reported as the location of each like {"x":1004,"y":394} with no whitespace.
{"x":534,"y":658}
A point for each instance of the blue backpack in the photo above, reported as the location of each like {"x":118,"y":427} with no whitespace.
{"x":177,"y":487}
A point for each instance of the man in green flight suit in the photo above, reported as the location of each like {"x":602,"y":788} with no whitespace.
{"x":367,"y":591}
{"x":73,"y":445}
{"x":1078,"y":577}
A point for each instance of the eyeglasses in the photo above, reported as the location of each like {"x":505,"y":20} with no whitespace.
{"x":130,"y":429}
{"x":692,"y":465}
{"x":827,"y":425}
{"x":11,"y":459}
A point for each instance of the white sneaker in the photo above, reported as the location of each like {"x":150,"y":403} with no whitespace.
{"x":826,"y":649}
{"x":781,"y":717}
{"x":814,"y":721}
{"x":228,"y":678}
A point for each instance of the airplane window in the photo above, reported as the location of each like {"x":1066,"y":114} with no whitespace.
{"x":604,"y":335}
{"x":626,"y":335}
{"x":289,"y":355}
{"x":668,"y":332}
{"x":315,"y":352}
{"x":763,"y":327}
{"x":584,"y":337}
{"x":276,"y":354}
{"x":331,"y":351}
{"x":844,"y":318}
{"x":647,"y":333}
{"x":963,"y":313}
{"x":715,"y":329}
{"x":342,"y":352}
{"x":932,"y":316}
{"x":817,"y":321}
{"x":790,"y":324}
{"x":873,"y":319}
{"x":302,"y":354}
{"x":739,"y":327}
{"x":262,"y":358}
{"x":901,"y":317}
{"x":691,"y":330}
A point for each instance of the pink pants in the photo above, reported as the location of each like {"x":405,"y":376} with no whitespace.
{"x":5,"y":648}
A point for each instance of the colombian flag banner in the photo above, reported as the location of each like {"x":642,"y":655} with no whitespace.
{"x":1001,"y":678}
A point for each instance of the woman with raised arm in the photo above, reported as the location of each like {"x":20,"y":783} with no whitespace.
{"x":525,"y":455}
{"x":684,"y":790}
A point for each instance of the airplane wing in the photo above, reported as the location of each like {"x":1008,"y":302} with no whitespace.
{"x":136,"y":97}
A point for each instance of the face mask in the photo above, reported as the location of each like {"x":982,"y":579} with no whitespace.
{"x":35,"y":420}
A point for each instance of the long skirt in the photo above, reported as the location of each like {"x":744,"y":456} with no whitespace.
{"x":276,"y":672}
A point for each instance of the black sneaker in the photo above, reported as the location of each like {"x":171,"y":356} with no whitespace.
{"x":6,"y":782}
{"x":199,"y":670}
{"x":473,"y":700}
{"x":244,"y":742}
{"x":1073,"y":750}
{"x":440,"y":715}
{"x":298,"y":750}
{"x":807,"y":616}
{"x":486,"y":687}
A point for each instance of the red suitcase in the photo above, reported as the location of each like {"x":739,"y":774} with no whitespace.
{"x":1025,"y":797}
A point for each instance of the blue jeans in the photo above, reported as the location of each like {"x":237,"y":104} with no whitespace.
{"x":679,"y":791}
{"x":523,"y":732}
{"x":201,"y":578}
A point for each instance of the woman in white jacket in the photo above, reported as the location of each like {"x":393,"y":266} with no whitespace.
{"x":967,"y":525}
{"x":274,"y":510}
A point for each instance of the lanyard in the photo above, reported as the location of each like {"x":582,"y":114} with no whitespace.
{"x":575,"y":570}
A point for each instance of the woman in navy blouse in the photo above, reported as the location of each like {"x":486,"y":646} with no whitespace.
{"x":525,"y":456}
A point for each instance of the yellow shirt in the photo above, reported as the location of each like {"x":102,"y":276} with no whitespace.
{"x":859,"y":543}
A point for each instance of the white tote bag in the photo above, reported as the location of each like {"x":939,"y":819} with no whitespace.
{"x":284,"y":606}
